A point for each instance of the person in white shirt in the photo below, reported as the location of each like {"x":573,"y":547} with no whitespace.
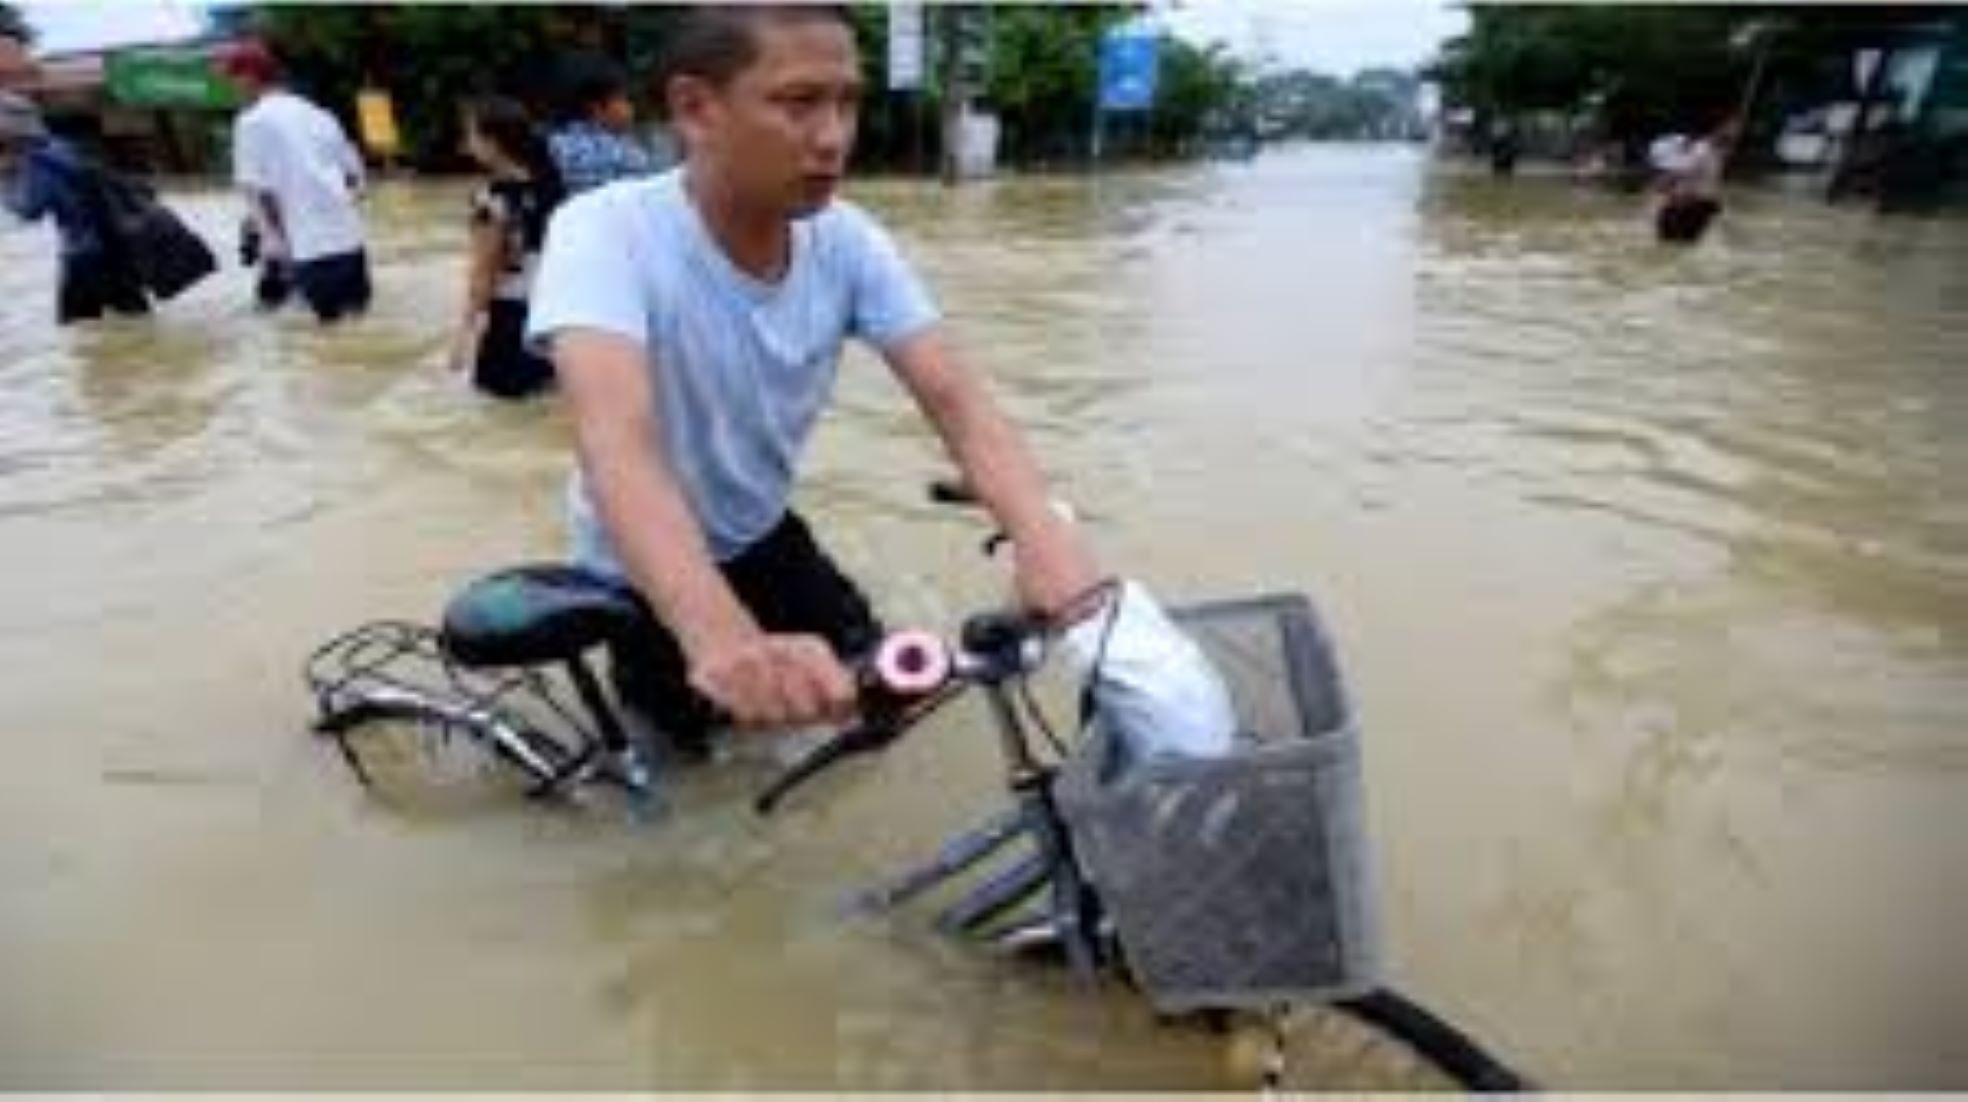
{"x":696,"y":320}
{"x":303,"y":182}
{"x":1689,"y":189}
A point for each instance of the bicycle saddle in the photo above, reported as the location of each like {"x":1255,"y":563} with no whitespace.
{"x":535,"y":614}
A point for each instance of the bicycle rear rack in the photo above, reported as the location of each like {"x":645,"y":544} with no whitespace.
{"x":391,"y":669}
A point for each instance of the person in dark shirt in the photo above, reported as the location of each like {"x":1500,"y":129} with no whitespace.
{"x":508,"y":224}
{"x":595,"y":146}
{"x":42,"y":176}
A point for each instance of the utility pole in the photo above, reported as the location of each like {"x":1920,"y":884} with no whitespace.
{"x":1759,"y":34}
{"x":1852,"y":151}
{"x":950,"y":80}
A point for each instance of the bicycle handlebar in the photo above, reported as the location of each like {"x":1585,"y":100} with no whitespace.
{"x":910,"y":675}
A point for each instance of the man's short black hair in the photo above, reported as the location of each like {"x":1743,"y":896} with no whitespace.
{"x":715,"y":42}
{"x":587,"y":81}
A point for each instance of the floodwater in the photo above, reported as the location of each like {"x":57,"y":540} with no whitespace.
{"x":1649,"y":569}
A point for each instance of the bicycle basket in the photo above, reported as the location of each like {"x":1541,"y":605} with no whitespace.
{"x":1240,"y":881}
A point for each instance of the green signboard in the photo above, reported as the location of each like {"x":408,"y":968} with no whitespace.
{"x":168,"y":80}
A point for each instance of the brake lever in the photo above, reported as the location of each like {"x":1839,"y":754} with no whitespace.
{"x":951,"y":491}
{"x":858,"y":739}
{"x":903,"y":680}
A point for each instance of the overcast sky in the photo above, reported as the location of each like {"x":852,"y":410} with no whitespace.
{"x":86,"y":24}
{"x":1337,"y":36}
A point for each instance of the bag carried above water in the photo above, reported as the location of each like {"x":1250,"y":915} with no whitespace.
{"x":167,"y":256}
{"x":1148,"y":681}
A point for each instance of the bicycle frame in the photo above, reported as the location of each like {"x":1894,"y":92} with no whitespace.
{"x":392,"y":670}
{"x":1073,"y":918}
{"x":1070,"y":918}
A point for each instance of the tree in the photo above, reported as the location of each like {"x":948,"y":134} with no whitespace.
{"x":1641,"y":69}
{"x":1636,"y":71}
{"x":432,"y":58}
{"x":1375,"y":104}
{"x":1195,"y":87}
{"x":1040,"y":68}
{"x":1044,"y":69}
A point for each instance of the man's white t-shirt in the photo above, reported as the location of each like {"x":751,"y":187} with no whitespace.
{"x":740,"y":368}
{"x":294,"y":150}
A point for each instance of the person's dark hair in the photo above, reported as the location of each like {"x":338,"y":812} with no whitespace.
{"x":588,"y":81}
{"x":505,"y":123}
{"x":253,"y":60}
{"x":715,"y":42}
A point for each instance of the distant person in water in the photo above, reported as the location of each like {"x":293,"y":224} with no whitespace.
{"x":596,"y":144}
{"x":1504,"y":147}
{"x":508,"y":225}
{"x":42,"y":176}
{"x":303,"y":181}
{"x":1689,"y":188}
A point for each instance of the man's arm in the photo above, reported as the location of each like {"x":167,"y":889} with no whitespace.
{"x":655,"y":533}
{"x":266,"y":210}
{"x":353,"y":170}
{"x":24,"y":189}
{"x":1054,"y":567}
{"x":485,"y":259}
{"x":254,"y":182}
{"x":757,"y":678}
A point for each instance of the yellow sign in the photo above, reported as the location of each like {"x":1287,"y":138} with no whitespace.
{"x":376,"y":115}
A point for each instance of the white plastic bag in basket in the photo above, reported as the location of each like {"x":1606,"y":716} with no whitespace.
{"x":1155,"y":688}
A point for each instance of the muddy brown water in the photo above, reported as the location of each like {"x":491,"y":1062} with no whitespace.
{"x":1650,"y":571}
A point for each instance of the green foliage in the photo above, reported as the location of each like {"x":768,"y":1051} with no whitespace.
{"x":1040,"y":79}
{"x":1039,"y":76}
{"x":1634,"y":71}
{"x":1376,"y":103}
{"x":1044,"y":71}
{"x":1195,"y":87}
{"x":432,"y":57}
{"x":1642,"y":68}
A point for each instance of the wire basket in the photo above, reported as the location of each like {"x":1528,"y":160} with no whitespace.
{"x":1242,"y":881}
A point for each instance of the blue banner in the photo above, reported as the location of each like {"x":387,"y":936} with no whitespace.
{"x":1128,"y":63}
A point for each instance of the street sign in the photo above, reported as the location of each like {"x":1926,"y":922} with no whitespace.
{"x":168,"y":80}
{"x":1128,"y":64}
{"x":905,"y":46}
{"x":375,"y":116}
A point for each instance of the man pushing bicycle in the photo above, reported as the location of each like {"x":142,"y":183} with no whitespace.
{"x":696,"y":320}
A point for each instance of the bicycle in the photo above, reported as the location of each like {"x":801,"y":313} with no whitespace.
{"x":1230,"y":892}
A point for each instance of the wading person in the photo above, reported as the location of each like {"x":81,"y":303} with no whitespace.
{"x":695,"y":320}
{"x":508,"y":224}
{"x":1690,"y":185}
{"x":596,"y":144}
{"x":302,"y":179}
{"x":42,"y":176}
